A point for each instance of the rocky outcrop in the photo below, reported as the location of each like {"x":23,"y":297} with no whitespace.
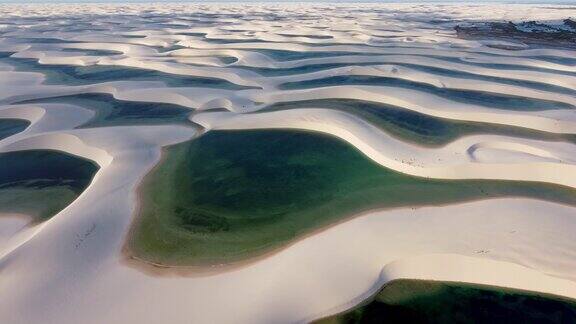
{"x":561,"y":34}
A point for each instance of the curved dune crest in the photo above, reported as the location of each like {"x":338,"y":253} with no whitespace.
{"x":466,"y":269}
{"x":449,"y":162}
{"x":495,"y":151}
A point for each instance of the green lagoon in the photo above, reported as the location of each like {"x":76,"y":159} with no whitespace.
{"x":230,"y":195}
{"x":414,"y":127}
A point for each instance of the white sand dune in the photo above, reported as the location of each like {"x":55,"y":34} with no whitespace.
{"x":449,"y":162}
{"x":10,"y":225}
{"x":72,"y":269}
{"x":500,"y":151}
{"x":403,"y":73}
{"x":325,"y":271}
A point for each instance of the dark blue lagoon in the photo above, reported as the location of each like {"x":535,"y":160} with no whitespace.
{"x":81,"y":75}
{"x":41,"y":183}
{"x":11,"y":126}
{"x":483,"y":98}
{"x":114,"y":112}
{"x":440,"y":302}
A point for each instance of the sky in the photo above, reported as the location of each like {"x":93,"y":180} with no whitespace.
{"x":383,"y":1}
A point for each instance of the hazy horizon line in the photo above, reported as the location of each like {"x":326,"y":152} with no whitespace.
{"x":563,"y":2}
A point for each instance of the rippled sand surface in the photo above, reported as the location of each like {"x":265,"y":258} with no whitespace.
{"x":115,"y":84}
